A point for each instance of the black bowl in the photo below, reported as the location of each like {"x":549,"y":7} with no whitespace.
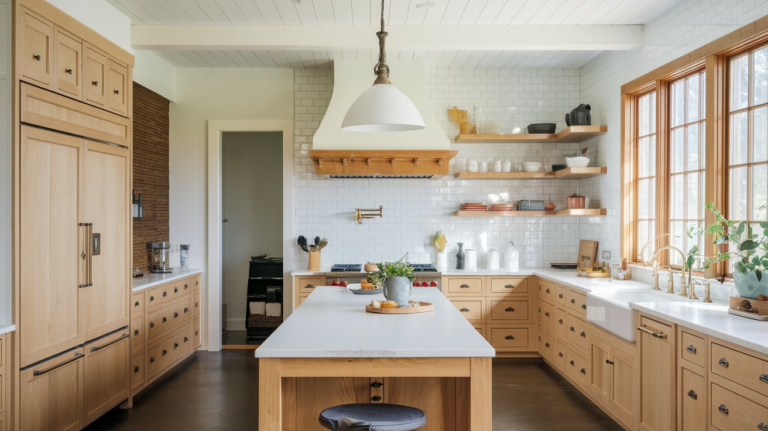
{"x":556,"y":168}
{"x":548,"y":128}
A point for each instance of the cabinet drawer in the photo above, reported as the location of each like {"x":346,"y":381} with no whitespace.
{"x":68,"y":57}
{"x":117,"y":87}
{"x":562,"y":317}
{"x":547,"y":347}
{"x":693,"y":348}
{"x":692,"y":401}
{"x":577,"y":367}
{"x":196,"y":307}
{"x":577,"y":333}
{"x":480,"y":328}
{"x":547,"y":290}
{"x":577,"y":302}
{"x":560,"y":353}
{"x":56,"y":384}
{"x":137,"y":371}
{"x":35,"y":48}
{"x":168,"y":350}
{"x":547,"y":316}
{"x":196,"y":331}
{"x":473,"y":309}
{"x":561,"y":295}
{"x":308,"y":284}
{"x":505,"y":338}
{"x":731,"y":411}
{"x":107,"y":380}
{"x":740,"y":368}
{"x":302,"y":298}
{"x":137,"y":334}
{"x":506,"y":310}
{"x":137,"y":304}
{"x":509,"y":286}
{"x":167,"y":319}
{"x":465,"y":286}
{"x":197,"y":282}
{"x":167,"y":292}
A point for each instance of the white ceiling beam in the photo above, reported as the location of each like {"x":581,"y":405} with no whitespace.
{"x":407,"y":38}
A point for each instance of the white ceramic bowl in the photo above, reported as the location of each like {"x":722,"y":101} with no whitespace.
{"x":577,"y":162}
{"x":531,"y":166}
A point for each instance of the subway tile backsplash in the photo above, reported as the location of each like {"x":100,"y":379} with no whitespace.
{"x":415,"y":209}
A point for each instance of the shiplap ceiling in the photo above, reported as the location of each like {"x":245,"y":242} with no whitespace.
{"x":397,"y":13}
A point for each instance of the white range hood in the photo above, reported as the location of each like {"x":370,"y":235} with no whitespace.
{"x":341,"y":153}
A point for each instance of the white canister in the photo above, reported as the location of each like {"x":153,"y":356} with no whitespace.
{"x":493,"y":258}
{"x":442,"y":261}
{"x":497,"y":165}
{"x":512,"y":256}
{"x":470,"y":259}
{"x":484,"y":166}
{"x":472,"y":165}
{"x":507,"y":165}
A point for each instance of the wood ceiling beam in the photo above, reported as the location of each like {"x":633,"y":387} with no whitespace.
{"x":457,"y":38}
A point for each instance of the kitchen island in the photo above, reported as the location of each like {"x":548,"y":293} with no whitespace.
{"x":331,"y":352}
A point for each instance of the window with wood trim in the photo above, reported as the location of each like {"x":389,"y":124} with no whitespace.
{"x":747,"y":194}
{"x":646,"y":170}
{"x":686,"y":163}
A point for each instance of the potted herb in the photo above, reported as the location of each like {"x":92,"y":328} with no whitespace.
{"x":396,"y":278}
{"x":749,"y":249}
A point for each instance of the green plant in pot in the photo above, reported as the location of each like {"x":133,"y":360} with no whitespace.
{"x":396,"y":278}
{"x":747,"y":248}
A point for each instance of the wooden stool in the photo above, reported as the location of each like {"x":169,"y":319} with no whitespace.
{"x":372,"y":417}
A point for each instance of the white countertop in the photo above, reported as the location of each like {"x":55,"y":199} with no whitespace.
{"x":332,"y":323}
{"x":4,"y":329}
{"x":151,"y":280}
{"x":306,"y":272}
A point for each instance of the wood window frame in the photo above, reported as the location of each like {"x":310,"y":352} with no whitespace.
{"x":713,"y":58}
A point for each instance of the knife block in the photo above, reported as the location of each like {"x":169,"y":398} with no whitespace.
{"x":314,"y":261}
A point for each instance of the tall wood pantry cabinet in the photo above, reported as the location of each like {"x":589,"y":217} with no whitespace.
{"x":71,"y":222}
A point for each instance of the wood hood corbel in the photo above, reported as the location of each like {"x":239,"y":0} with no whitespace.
{"x":381,"y":163}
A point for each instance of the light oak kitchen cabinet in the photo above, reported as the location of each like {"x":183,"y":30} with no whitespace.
{"x":657,"y":346}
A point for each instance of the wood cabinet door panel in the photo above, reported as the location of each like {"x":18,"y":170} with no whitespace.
{"x":52,"y":394}
{"x":196,"y":338}
{"x":35,"y":48}
{"x":137,"y":371}
{"x":435,"y":396}
{"x":107,"y":194}
{"x":308,"y":284}
{"x":601,"y":378}
{"x":577,"y":302}
{"x":505,"y":310}
{"x":739,"y":367}
{"x":107,"y":374}
{"x":465,"y":286}
{"x":94,"y":75}
{"x":315,"y":394}
{"x":471,"y":308}
{"x":509,"y":286}
{"x":138,"y":335}
{"x":693,"y":348}
{"x":657,"y":371}
{"x":117,"y":87}
{"x":51,"y":267}
{"x":692,"y":401}
{"x":68,"y":59}
{"x":623,"y":391}
{"x":733,"y":412}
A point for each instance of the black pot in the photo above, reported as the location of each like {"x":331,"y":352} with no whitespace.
{"x":547,"y":128}
{"x":580,"y":116}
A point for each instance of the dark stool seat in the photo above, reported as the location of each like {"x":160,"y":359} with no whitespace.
{"x":373,"y":417}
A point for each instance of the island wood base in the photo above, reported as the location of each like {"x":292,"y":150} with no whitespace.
{"x":455,"y":393}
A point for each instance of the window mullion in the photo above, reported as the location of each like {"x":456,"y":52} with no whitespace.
{"x":663,"y":111}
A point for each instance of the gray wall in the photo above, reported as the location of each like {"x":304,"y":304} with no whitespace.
{"x":253,"y":204}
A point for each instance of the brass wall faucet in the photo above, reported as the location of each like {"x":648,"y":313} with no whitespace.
{"x":361,"y":214}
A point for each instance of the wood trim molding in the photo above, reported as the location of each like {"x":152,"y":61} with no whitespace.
{"x":375,"y":367}
{"x":663,"y":109}
{"x":628,"y":160}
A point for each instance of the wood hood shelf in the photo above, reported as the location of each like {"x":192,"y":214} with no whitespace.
{"x":568,"y":135}
{"x":381,"y":163}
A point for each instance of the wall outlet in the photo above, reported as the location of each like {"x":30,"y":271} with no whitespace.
{"x":606,"y":255}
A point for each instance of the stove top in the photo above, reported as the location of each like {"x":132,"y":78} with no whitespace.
{"x":347,"y":267}
{"x":423,"y":267}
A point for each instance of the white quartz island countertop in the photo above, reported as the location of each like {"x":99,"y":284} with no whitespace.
{"x":4,"y":329}
{"x":151,"y":280}
{"x":332,"y":323}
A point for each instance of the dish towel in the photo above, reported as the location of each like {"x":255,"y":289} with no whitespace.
{"x":258,"y":307}
{"x":274,"y":309}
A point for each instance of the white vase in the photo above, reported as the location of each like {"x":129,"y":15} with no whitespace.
{"x":442,"y":261}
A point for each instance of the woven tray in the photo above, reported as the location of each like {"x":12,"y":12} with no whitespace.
{"x":262,"y":321}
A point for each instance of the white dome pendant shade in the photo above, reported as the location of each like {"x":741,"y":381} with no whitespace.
{"x":382,"y":108}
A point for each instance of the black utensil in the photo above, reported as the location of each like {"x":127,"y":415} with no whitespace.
{"x":303,"y":243}
{"x":317,"y":240}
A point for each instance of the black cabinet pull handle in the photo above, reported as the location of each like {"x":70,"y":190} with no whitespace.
{"x":377,"y":384}
{"x":762,"y":427}
{"x":151,"y":298}
{"x":546,"y":313}
{"x":135,"y":332}
{"x":573,"y":329}
{"x":175,"y":290}
{"x":560,"y":296}
{"x":165,"y":294}
{"x":77,"y":356}
{"x":464,"y":310}
{"x":464,"y":286}
{"x":510,"y":337}
{"x":151,"y":324}
{"x":117,"y":91}
{"x":609,"y":362}
{"x":36,"y":57}
{"x":509,"y":286}
{"x":375,"y":398}
{"x":69,"y":71}
{"x":560,"y":321}
{"x":509,"y":309}
{"x":583,"y":371}
{"x":691,"y":349}
{"x":583,"y":334}
{"x":95,"y":83}
{"x":560,"y":354}
{"x":723,"y":409}
{"x":546,"y":344}
{"x":186,"y":310}
{"x":573,"y":363}
{"x":175,"y":314}
{"x":547,"y":290}
{"x":584,"y":306}
{"x":693,"y":394}
{"x":573,"y":301}
{"x":136,"y":369}
{"x":175,"y":345}
{"x":165,"y":319}
{"x":186,"y":339}
{"x":723,"y":362}
{"x":165,"y":352}
{"x":309,"y":286}
{"x":136,"y":304}
{"x":764,"y":378}
{"x":151,"y":359}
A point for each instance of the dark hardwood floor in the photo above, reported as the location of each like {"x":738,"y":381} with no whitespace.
{"x":218,"y":391}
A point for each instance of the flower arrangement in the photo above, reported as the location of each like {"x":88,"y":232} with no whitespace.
{"x":399,"y":268}
{"x":439,"y":241}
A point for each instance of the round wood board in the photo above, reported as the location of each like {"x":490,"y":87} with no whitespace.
{"x":423,"y":308}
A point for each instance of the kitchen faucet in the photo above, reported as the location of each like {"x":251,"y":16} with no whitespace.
{"x":683,"y":286}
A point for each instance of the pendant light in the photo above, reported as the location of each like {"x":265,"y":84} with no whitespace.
{"x":382,"y":108}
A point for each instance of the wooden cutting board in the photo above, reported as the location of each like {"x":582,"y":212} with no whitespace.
{"x":423,"y":308}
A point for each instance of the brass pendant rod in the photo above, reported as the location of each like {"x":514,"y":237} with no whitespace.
{"x":381,"y":70}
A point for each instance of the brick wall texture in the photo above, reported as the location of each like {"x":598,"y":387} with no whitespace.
{"x":150,"y":170}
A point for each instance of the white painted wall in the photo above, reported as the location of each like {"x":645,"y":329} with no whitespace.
{"x":102,"y":17}
{"x":686,"y":26}
{"x":153,"y":72}
{"x":5,"y":162}
{"x":253,"y":206}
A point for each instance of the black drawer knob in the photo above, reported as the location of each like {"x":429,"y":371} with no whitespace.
{"x":547,"y":290}
{"x":572,"y":363}
{"x":583,"y":371}
{"x":69,"y":71}
{"x":510,"y":309}
{"x":175,"y":290}
{"x":573,"y":329}
{"x":95,"y":83}
{"x":197,"y":283}
{"x":165,"y":293}
{"x":464,"y":310}
{"x":510,"y":337}
{"x":584,"y":306}
{"x":135,"y":332}
{"x":573,"y":301}
{"x":196,"y":333}
{"x":151,"y":298}
{"x":377,"y":384}
{"x":175,"y":345}
{"x":186,"y":310}
{"x":764,"y":378}
{"x":151,"y":359}
{"x":136,"y":304}
{"x":560,"y":321}
{"x":723,"y":362}
{"x":117,"y":91}
{"x":546,"y":344}
{"x":546,"y":313}
{"x":186,"y":339}
{"x":36,"y":57}
{"x":186,"y":286}
{"x":197,"y":304}
{"x":693,"y":394}
{"x":375,"y":398}
{"x":723,"y":409}
{"x":175,"y":314}
{"x":165,"y":352}
{"x":583,"y":334}
{"x":560,"y":296}
{"x":165,"y":319}
{"x":560,"y":354}
{"x":151,"y":324}
{"x":136,"y":369}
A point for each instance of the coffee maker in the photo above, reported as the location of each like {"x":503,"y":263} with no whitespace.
{"x":160,"y":257}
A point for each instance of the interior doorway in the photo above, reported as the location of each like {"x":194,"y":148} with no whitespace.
{"x":252,"y":226}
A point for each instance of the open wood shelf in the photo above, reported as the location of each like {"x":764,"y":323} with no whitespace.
{"x":564,"y":174}
{"x":568,"y":135}
{"x":586,"y":212}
